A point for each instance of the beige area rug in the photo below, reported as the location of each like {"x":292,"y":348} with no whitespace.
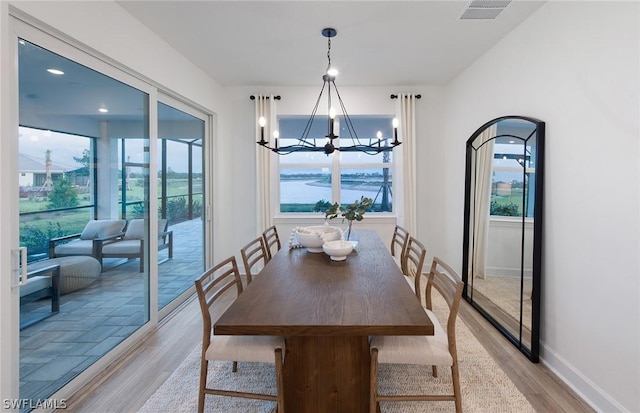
{"x":505,"y":294}
{"x":485,"y":387}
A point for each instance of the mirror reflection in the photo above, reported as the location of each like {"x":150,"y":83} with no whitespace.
{"x":502,"y":220}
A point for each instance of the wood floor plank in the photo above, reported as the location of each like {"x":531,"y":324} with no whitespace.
{"x":127,"y":384}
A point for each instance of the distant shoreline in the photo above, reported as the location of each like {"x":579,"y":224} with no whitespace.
{"x":364,"y":186}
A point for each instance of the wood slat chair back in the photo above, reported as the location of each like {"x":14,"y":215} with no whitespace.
{"x":271,"y":241}
{"x":254,"y":257}
{"x":399,"y":244}
{"x":425,"y":350}
{"x":449,"y":284}
{"x":212,"y":285}
{"x":412,"y":262}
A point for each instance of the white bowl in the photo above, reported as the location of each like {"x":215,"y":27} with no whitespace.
{"x":337,"y":250}
{"x":313,"y":237}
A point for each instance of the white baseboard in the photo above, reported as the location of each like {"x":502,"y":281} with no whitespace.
{"x":590,"y":392}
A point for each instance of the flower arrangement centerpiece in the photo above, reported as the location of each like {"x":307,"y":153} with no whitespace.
{"x":351,"y":212}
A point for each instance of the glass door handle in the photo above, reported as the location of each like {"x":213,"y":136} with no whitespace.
{"x":18,"y":267}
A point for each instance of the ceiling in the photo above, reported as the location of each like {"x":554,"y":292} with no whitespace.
{"x":279,"y":43}
{"x":272,"y":43}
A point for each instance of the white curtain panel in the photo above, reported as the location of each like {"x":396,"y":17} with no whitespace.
{"x":405,"y":154}
{"x":265,"y":107}
{"x":482,"y":196}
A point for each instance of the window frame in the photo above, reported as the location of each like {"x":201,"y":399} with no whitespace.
{"x":335,"y":167}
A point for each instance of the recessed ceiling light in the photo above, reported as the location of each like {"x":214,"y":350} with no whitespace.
{"x":103,"y":110}
{"x":55,"y":71}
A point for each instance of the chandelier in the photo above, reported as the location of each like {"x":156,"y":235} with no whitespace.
{"x":305,"y":143}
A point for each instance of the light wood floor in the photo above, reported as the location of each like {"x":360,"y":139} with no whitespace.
{"x":128,"y":383}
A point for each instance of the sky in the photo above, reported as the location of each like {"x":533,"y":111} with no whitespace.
{"x":64,"y":147}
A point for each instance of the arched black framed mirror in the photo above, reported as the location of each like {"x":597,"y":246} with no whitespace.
{"x":503,"y":227}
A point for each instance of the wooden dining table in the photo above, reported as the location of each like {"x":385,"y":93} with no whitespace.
{"x":327,"y":310}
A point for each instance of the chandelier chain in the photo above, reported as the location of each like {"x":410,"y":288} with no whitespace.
{"x":329,"y":53}
{"x":369,"y":146}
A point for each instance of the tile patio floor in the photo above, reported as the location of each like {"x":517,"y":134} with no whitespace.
{"x":93,"y":320}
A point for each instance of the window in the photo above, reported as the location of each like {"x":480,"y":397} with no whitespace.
{"x":513,"y":180}
{"x":309,"y":181}
{"x":56,"y":187}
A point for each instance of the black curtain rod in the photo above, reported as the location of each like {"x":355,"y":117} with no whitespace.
{"x":277,"y":97}
{"x":396,"y":96}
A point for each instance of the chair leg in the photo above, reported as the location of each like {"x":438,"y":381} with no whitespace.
{"x":204,"y":366}
{"x":456,"y":386}
{"x":279,"y":381}
{"x":434,"y":371}
{"x":235,"y":367}
{"x":373,"y":385}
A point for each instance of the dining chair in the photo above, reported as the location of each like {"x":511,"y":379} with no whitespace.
{"x":412,"y":262}
{"x":271,"y":240}
{"x":212,"y":286}
{"x":436,"y":350}
{"x":253,"y":254}
{"x":399,"y":242}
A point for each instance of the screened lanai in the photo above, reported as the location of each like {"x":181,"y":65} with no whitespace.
{"x":92,"y":149}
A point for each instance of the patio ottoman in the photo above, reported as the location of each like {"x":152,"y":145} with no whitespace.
{"x":76,"y":272}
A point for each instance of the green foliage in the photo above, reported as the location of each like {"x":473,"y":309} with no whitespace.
{"x":84,"y":160}
{"x":197,"y":208}
{"x":350,"y":212}
{"x":321,"y":206}
{"x":177,"y":209}
{"x":36,"y":239}
{"x":509,"y":209}
{"x":63,"y":195}
{"x":137,"y":210}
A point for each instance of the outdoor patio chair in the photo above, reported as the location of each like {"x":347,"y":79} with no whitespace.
{"x":90,"y":241}
{"x":131,"y":243}
{"x":39,"y":285}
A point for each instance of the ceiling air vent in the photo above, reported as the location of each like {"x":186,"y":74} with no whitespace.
{"x":484,"y":9}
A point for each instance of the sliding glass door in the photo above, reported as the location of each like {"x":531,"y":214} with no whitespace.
{"x":111,"y":200}
{"x":181,"y":135}
{"x":73,"y":122}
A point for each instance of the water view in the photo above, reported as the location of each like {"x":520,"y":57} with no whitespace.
{"x":302,"y":192}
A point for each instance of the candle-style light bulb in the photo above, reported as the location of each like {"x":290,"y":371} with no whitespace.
{"x":332,"y":116}
{"x":395,"y":123}
{"x":262,"y":121}
{"x":379,"y":136}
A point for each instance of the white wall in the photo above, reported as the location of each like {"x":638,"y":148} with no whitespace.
{"x":504,"y":251}
{"x":574,"y":65}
